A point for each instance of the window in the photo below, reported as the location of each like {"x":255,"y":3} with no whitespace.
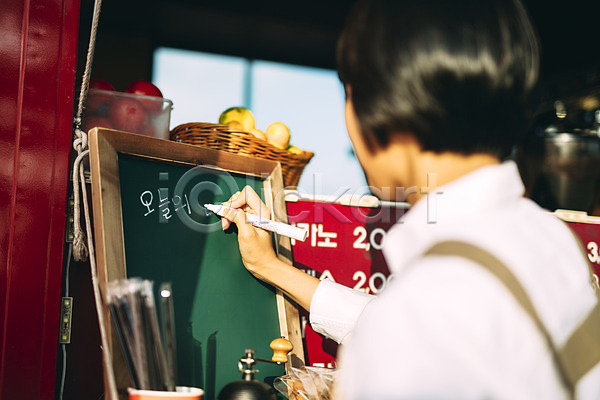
{"x":310,"y":101}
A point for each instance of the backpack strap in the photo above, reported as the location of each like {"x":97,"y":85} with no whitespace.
{"x":582,"y":350}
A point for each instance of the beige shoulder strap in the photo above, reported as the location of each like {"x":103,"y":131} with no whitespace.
{"x":582,"y":350}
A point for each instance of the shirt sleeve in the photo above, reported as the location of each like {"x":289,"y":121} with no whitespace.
{"x":334,"y":309}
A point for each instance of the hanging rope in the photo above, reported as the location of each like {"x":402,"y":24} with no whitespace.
{"x":80,"y":251}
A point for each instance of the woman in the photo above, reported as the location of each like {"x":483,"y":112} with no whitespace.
{"x":438,"y":93}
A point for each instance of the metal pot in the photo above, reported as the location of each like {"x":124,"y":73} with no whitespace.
{"x":562,"y":170}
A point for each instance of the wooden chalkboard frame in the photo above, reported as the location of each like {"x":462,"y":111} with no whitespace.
{"x":106,"y":144}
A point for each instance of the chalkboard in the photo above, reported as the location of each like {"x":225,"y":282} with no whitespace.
{"x":148,"y":222}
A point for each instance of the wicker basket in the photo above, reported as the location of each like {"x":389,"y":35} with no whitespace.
{"x":221,"y":137}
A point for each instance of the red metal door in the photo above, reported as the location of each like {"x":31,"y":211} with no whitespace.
{"x":38,"y":51}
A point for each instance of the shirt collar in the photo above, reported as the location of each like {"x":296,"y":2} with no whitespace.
{"x":439,"y":213}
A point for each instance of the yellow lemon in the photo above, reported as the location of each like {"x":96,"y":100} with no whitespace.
{"x":295,"y":150}
{"x":258,"y":133}
{"x":278,"y":135}
{"x":235,"y":125}
{"x":240,"y":114}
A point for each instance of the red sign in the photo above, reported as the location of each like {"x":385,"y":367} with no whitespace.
{"x":588,"y":230}
{"x":344,"y":245}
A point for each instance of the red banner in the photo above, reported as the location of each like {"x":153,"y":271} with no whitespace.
{"x":344,"y":245}
{"x":588,"y":230}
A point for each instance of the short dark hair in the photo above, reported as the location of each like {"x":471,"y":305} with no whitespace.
{"x":457,"y":74}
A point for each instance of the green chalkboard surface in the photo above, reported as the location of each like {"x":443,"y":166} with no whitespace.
{"x":165,"y":235}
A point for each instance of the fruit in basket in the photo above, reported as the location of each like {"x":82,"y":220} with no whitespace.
{"x":235,"y":126}
{"x":239,"y":114}
{"x":127,"y":114}
{"x":295,"y":150}
{"x":278,"y":135}
{"x":258,"y":133}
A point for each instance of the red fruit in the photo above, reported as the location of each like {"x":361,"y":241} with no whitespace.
{"x":148,"y":130}
{"x":97,"y":100}
{"x":145,"y":88}
{"x":95,"y":121}
{"x":102,"y":84}
{"x":127,"y":114}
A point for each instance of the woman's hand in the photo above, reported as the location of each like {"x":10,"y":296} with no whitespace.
{"x":257,"y":249}
{"x":255,"y":244}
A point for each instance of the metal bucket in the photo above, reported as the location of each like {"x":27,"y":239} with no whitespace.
{"x":562,"y":170}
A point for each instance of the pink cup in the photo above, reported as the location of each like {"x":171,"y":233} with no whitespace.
{"x":182,"y":393}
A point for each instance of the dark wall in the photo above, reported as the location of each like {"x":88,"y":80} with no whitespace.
{"x":304,"y":33}
{"x":301,"y":32}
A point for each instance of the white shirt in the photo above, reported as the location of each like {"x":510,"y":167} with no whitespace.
{"x":445,"y":328}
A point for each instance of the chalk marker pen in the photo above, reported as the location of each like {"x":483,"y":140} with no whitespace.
{"x":264,"y":223}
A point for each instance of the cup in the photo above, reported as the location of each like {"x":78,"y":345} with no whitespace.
{"x":182,"y":393}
